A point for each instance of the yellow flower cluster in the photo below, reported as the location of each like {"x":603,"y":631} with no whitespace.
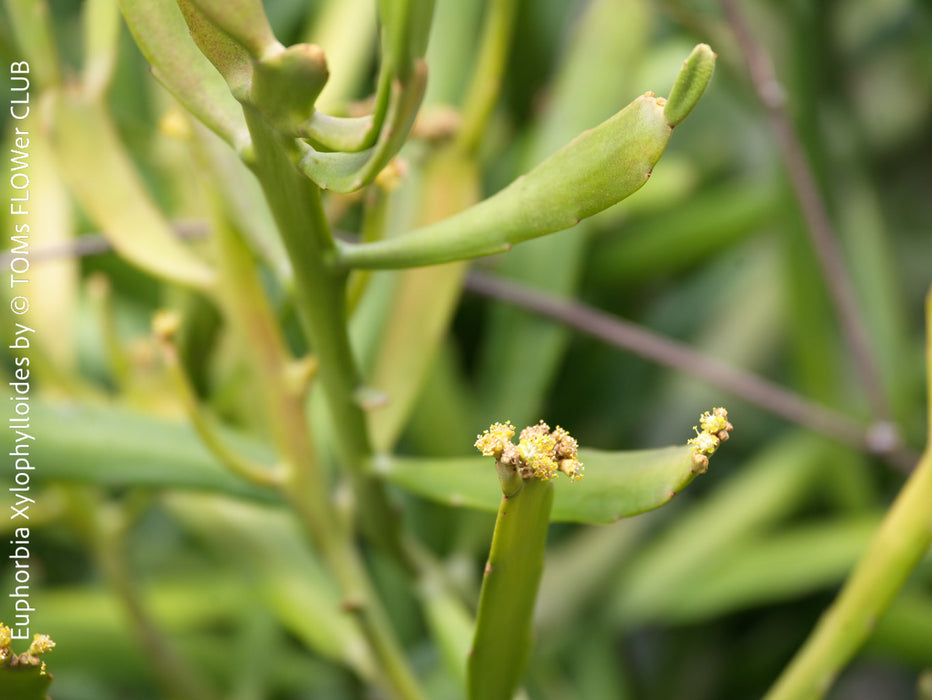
{"x":540,"y":453}
{"x":715,"y":430}
{"x":492,"y":442}
{"x":41,"y":643}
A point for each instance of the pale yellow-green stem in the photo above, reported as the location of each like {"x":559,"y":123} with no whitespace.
{"x":305,"y":486}
{"x":903,"y":538}
{"x":487,"y":73}
{"x":165,"y":325}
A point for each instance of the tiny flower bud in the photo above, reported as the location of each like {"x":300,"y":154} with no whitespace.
{"x":715,"y":430}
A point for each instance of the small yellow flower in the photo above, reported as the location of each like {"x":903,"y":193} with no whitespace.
{"x":41,"y":643}
{"x":540,"y":453}
{"x":715,"y":430}
{"x":536,"y":448}
{"x":714,"y":422}
{"x":492,"y":442}
{"x":704,"y":443}
{"x":6,"y":636}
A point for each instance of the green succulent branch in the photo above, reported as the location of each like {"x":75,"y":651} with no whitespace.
{"x":320,"y":298}
{"x":502,"y":640}
{"x":303,"y":483}
{"x":607,"y":163}
{"x":295,"y":152}
{"x":24,"y":676}
{"x":165,"y":326}
{"x":486,"y":79}
{"x":690,"y":84}
{"x":903,"y":538}
{"x":160,"y":32}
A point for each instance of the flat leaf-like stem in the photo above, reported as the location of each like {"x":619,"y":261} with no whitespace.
{"x":345,"y":172}
{"x":229,"y":57}
{"x":690,"y":84}
{"x":616,"y":484}
{"x":105,"y":182}
{"x":141,"y":451}
{"x":599,"y":168}
{"x":244,"y":21}
{"x":163,"y":37}
{"x":596,"y":170}
{"x":346,"y":134}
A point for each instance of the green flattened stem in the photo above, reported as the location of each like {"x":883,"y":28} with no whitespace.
{"x":405,"y":30}
{"x":30,"y":24}
{"x":23,"y":676}
{"x":594,"y":171}
{"x":230,"y":58}
{"x":895,"y":550}
{"x":330,"y":133}
{"x":599,"y":168}
{"x":516,"y":560}
{"x":509,"y":588}
{"x":244,"y":21}
{"x":617,"y":484}
{"x":165,"y":325}
{"x":346,"y":172}
{"x":354,"y":151}
{"x":690,"y":84}
{"x":83,"y":136}
{"x":101,"y":20}
{"x":286,"y":84}
{"x":161,"y":33}
{"x":320,"y":298}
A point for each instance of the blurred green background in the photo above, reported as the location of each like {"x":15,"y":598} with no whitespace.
{"x":707,"y":597}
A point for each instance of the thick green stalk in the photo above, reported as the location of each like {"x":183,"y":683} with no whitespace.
{"x":305,"y":485}
{"x":321,"y":301}
{"x":509,"y":588}
{"x":424,"y":299}
{"x":896,"y":548}
{"x":320,"y":297}
{"x":899,"y":544}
